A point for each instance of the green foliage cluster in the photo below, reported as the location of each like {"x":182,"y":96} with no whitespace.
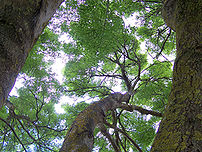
{"x":103,"y":47}
{"x":105,"y":55}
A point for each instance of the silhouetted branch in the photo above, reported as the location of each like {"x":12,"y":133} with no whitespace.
{"x":124,"y":133}
{"x":151,"y":79}
{"x":109,"y":137}
{"x":163,"y":45}
{"x":14,"y":133}
{"x":140,"y":109}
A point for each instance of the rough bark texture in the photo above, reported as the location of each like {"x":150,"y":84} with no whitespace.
{"x":79,"y":138}
{"x":21,"y":23}
{"x":180,"y":129}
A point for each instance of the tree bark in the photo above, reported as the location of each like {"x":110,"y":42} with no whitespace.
{"x":21,"y":23}
{"x":80,"y":136}
{"x":180,"y":129}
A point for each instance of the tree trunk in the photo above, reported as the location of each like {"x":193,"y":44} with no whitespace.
{"x":80,"y":136}
{"x":21,"y":23}
{"x":180,"y":129}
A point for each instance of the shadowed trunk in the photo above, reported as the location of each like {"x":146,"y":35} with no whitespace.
{"x":180,"y":129}
{"x":21,"y":23}
{"x":80,"y":135}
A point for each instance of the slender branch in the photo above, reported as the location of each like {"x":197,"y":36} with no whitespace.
{"x":107,"y":75}
{"x":14,"y":133}
{"x":124,"y":148}
{"x":115,"y":117}
{"x":123,"y":72}
{"x":148,"y":67}
{"x":162,"y":47}
{"x":111,"y":140}
{"x":26,"y":130}
{"x":136,"y":60}
{"x":18,"y":117}
{"x":140,"y":109}
{"x":51,"y":128}
{"x":38,"y":109}
{"x":124,"y":133}
{"x":114,"y":120}
{"x":87,"y":89}
{"x":155,"y":79}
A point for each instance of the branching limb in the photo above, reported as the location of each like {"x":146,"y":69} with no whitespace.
{"x":109,"y":137}
{"x":87,"y":89}
{"x":14,"y":133}
{"x":50,"y":128}
{"x":26,"y":119}
{"x":124,"y":148}
{"x":123,"y":73}
{"x":26,"y":130}
{"x":124,"y":133}
{"x":140,"y":109}
{"x":126,"y":52}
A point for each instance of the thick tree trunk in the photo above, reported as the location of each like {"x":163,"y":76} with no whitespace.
{"x":21,"y":23}
{"x":180,"y":129}
{"x":80,"y":136}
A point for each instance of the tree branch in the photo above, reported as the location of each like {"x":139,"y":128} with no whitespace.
{"x":123,"y":72}
{"x":163,"y":45}
{"x":26,"y":130}
{"x":14,"y":133}
{"x":124,"y":133}
{"x":140,"y":109}
{"x":155,"y":79}
{"x":109,"y":137}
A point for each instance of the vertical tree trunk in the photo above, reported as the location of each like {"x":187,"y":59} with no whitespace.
{"x":21,"y":23}
{"x":180,"y":129}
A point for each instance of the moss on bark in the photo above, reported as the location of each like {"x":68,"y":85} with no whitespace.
{"x":180,"y":129}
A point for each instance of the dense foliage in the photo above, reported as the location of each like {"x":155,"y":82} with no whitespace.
{"x":108,"y":53}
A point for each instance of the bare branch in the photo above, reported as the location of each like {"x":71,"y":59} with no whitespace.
{"x":26,"y":130}
{"x":125,"y":134}
{"x":14,"y":133}
{"x":51,"y":128}
{"x":140,"y":109}
{"x":107,"y":75}
{"x":155,"y":79}
{"x":109,"y":137}
{"x":123,"y":72}
{"x":163,"y":45}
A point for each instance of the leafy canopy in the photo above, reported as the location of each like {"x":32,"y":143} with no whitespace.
{"x":105,"y":55}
